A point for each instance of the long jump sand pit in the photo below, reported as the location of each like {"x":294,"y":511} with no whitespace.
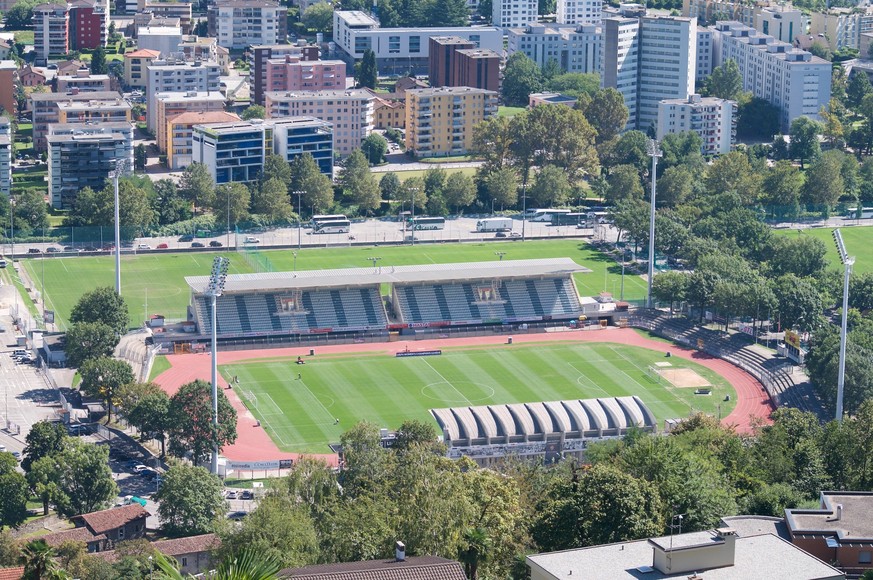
{"x":681,"y":378}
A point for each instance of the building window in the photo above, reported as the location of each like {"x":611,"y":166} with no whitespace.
{"x":864,"y":557}
{"x":184,"y":561}
{"x":120,"y":533}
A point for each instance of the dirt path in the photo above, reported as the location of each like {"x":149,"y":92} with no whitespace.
{"x":254,"y":444}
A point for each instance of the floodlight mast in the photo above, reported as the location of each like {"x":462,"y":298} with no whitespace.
{"x":848,"y":262}
{"x":117,"y":171}
{"x":217,"y":278}
{"x":653,"y":151}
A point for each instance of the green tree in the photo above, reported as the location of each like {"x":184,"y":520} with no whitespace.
{"x":551,"y":187}
{"x":725,"y":82}
{"x":374,"y":148}
{"x":38,"y":560}
{"x":799,"y":303}
{"x":804,"y":139}
{"x":253,"y":112}
{"x":624,"y":183}
{"x":502,"y":187}
{"x":98,"y":62}
{"x":197,"y":186}
{"x":275,"y":167}
{"x":757,"y":119}
{"x":43,"y":481}
{"x":168,"y":205}
{"x":732,"y":173}
{"x":358,"y":184}
{"x":87,"y":340}
{"x":84,"y":478}
{"x":319,"y":17}
{"x":20,"y":16}
{"x":675,"y":187}
{"x":681,"y":149}
{"x":781,"y":189}
{"x":31,"y":214}
{"x":670,"y":286}
{"x":190,"y":501}
{"x":824,"y":181}
{"x":271,"y":201}
{"x":13,"y":493}
{"x":191,"y":428}
{"x":367,"y":72}
{"x":492,"y":141}
{"x":414,"y":192}
{"x":151,"y":416}
{"x":606,"y":112}
{"x":140,"y":157}
{"x":574,"y":84}
{"x":390,"y":186}
{"x":231,"y":203}
{"x":858,"y":88}
{"x":801,"y":255}
{"x":316,"y":188}
{"x":102,"y":378}
{"x":521,"y":78}
{"x":104,"y":305}
{"x":459,"y":191}
{"x":44,"y":438}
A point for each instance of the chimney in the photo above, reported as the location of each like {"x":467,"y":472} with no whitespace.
{"x":399,"y":551}
{"x":839,"y":512}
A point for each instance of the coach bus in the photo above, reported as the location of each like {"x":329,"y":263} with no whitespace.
{"x":332,"y":227}
{"x":426,"y":223}
{"x":864,"y":214}
{"x":545,"y":215}
{"x":317,"y":219}
{"x":568,"y":219}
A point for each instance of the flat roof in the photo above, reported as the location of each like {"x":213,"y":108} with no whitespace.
{"x":748,"y":525}
{"x":855,"y":523}
{"x":765,"y":556}
{"x":386,"y":274}
{"x":356,"y":18}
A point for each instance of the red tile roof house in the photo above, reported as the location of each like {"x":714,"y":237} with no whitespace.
{"x":101,"y":530}
{"x":194,"y":553}
{"x":11,"y":573}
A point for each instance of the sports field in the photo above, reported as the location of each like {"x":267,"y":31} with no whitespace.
{"x":857,"y":240}
{"x":159,"y":279}
{"x":300,"y":415}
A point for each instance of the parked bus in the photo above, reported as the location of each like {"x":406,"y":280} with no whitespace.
{"x":865,"y":214}
{"x":332,"y":227}
{"x":426,"y":223}
{"x":568,"y":219}
{"x":317,"y":219}
{"x":545,"y":215}
{"x":598,"y":217}
{"x":494,"y":225}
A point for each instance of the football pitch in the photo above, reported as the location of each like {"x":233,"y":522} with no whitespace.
{"x":300,"y":415}
{"x":154,"y":283}
{"x":856,"y":238}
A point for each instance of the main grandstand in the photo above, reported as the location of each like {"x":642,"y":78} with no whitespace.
{"x":300,"y":307}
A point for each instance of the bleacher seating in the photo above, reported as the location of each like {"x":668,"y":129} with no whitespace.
{"x":521,"y":299}
{"x":353,"y":308}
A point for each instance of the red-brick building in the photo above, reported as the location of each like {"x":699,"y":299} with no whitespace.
{"x":88,"y":25}
{"x":455,"y":62}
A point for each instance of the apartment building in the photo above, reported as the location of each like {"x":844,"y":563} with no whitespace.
{"x":233,"y":152}
{"x":842,"y":27}
{"x":84,"y":81}
{"x":513,"y":13}
{"x":136,"y":65}
{"x":193,"y":47}
{"x":239,"y":24}
{"x":259,"y":57}
{"x":704,"y":54}
{"x":793,"y":80}
{"x":400,"y":50}
{"x":289,"y":73}
{"x":575,"y":48}
{"x":648,"y":59}
{"x":50,"y":30}
{"x":180,"y":134}
{"x":708,"y":11}
{"x":171,"y":105}
{"x":296,"y":136}
{"x":74,"y":107}
{"x":177,"y":76}
{"x":579,"y":11}
{"x":5,"y":157}
{"x":88,"y":24}
{"x":180,"y":10}
{"x":389,"y":113}
{"x":8,"y":77}
{"x":782,"y":22}
{"x":711,"y":118}
{"x":455,"y":62}
{"x":163,"y":39}
{"x":440,"y":121}
{"x":82,"y":155}
{"x":350,"y":112}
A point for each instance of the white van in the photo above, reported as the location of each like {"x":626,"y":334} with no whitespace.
{"x":143,"y":247}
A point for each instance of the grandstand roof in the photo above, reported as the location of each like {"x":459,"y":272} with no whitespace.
{"x":612,"y":414}
{"x":386,"y":274}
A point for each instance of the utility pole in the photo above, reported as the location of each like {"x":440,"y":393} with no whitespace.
{"x":654,"y":152}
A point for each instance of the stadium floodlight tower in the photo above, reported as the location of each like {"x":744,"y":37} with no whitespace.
{"x":848,"y":261}
{"x":118,"y":171}
{"x":214,"y":290}
{"x":653,"y":151}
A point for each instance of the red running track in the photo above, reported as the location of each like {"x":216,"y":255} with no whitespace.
{"x":253,"y":443}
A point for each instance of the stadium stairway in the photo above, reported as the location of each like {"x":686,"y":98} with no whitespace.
{"x":786,"y":384}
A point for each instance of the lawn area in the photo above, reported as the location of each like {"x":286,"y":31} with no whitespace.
{"x":24,"y":36}
{"x":160,"y":365}
{"x":159,"y":279}
{"x":300,"y":415}
{"x":509,"y":111}
{"x":857,"y":240}
{"x":404,"y":175}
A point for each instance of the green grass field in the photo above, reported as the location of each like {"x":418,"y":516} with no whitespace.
{"x":857,"y":240}
{"x":159,"y":279}
{"x":300,"y":415}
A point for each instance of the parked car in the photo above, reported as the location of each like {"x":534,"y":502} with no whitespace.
{"x":139,"y":468}
{"x":3,"y":262}
{"x":52,"y":250}
{"x":186,"y":238}
{"x":500,"y":235}
{"x":198,"y":245}
{"x":149,"y":473}
{"x":162,"y":246}
{"x":143,"y":247}
{"x":251,"y":240}
{"x":236,"y":516}
{"x":231,"y":494}
{"x":34,"y":251}
{"x":215,"y":244}
{"x":514,"y":235}
{"x":247,"y":494}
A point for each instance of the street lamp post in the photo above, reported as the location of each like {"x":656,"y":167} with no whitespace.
{"x":215,"y":288}
{"x":848,"y":261}
{"x":299,"y":195}
{"x":523,"y":208}
{"x":227,"y":237}
{"x":12,"y":225}
{"x":120,"y":166}
{"x":654,"y":152}
{"x":374,"y":259}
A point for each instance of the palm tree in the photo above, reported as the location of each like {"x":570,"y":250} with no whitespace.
{"x":38,"y":559}
{"x":475,"y":552}
{"x":247,"y":565}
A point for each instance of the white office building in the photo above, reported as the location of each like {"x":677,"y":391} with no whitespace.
{"x":400,"y":50}
{"x":784,"y":23}
{"x":704,"y":54}
{"x":5,"y":157}
{"x":579,"y":11}
{"x":793,"y":80}
{"x":711,"y":118}
{"x":164,"y":39}
{"x":513,"y":13}
{"x":575,"y":48}
{"x":648,"y":59}
{"x":176,"y":76}
{"x":243,"y":23}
